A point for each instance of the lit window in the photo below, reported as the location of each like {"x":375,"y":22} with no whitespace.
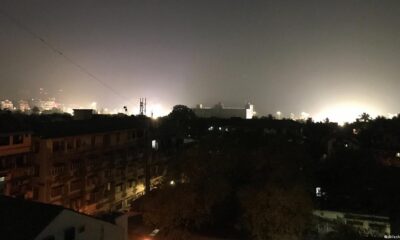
{"x":2,"y":179}
{"x":154,"y":144}
{"x":318,"y":192}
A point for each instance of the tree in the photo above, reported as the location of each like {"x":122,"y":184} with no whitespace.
{"x":276,"y":212}
{"x":364,"y":117}
{"x":35,"y":110}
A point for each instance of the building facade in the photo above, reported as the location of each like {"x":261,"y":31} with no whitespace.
{"x":91,"y":173}
{"x":16,"y":168}
{"x":219,"y":111}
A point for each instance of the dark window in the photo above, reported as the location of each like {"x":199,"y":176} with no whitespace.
{"x":69,"y":233}
{"x":93,"y":142}
{"x":106,"y":140}
{"x":140,"y":133}
{"x":58,"y":146}
{"x":78,"y":143}
{"x":35,"y":193}
{"x":117,"y":137}
{"x":70,"y":145}
{"x":4,"y":140}
{"x":18,"y":139}
{"x":36,"y":147}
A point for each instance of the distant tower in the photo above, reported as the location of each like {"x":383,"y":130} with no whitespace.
{"x":142,"y":106}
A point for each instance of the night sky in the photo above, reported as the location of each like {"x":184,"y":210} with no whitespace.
{"x":290,"y":56}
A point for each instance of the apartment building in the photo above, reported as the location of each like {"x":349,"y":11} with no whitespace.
{"x":90,"y":166}
{"x":16,"y":168}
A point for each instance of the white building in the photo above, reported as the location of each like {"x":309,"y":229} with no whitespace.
{"x":220,"y":111}
{"x":32,"y":220}
{"x":366,"y":224}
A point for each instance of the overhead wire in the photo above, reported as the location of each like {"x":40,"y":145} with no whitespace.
{"x":56,"y":50}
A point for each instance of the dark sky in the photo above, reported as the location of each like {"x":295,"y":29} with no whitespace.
{"x":282,"y":55}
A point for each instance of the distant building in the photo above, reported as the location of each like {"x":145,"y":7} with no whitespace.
{"x":23,"y":106}
{"x":219,"y":111}
{"x":83,"y":114}
{"x":367,"y":225}
{"x":45,"y":105}
{"x":16,"y":168}
{"x":6,"y":105}
{"x":23,"y":219}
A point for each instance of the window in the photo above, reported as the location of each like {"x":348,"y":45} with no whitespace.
{"x":75,"y":185}
{"x":35,"y":193}
{"x":18,"y":139}
{"x":36,"y":147}
{"x":117,"y":137}
{"x":118,"y":188}
{"x":4,"y":140}
{"x":78,"y":143}
{"x":56,"y":191}
{"x":131,"y":183}
{"x":93,"y":141}
{"x":70,"y":145}
{"x":154,"y":144}
{"x":57,"y":170}
{"x":106,"y":140}
{"x":20,"y":161}
{"x":69,"y":233}
{"x":58,"y":146}
{"x":140,"y":133}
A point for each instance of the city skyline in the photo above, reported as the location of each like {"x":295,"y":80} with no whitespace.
{"x":324,"y":59}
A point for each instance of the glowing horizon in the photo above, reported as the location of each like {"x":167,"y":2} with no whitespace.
{"x":346,"y":112}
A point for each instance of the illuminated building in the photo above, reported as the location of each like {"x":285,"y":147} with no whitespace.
{"x":37,"y":221}
{"x":366,"y":224}
{"x":45,"y":105}
{"x":91,"y":166}
{"x":6,"y":105}
{"x":16,"y":168}
{"x":23,"y":106}
{"x":219,"y":111}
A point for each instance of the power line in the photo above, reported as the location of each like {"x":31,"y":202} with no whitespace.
{"x":60,"y":53}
